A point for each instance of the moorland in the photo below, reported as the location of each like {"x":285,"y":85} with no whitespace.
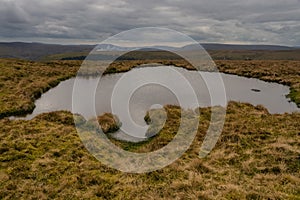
{"x":256,"y":157}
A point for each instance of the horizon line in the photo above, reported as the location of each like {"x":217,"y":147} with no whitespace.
{"x":201,"y":43}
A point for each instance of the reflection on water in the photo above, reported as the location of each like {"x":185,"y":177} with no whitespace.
{"x":254,"y":91}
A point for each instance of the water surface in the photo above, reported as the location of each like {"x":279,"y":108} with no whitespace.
{"x":271,"y":95}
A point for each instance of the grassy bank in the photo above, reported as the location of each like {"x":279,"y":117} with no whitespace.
{"x":283,"y":72}
{"x":256,"y":157}
{"x":215,"y":54}
{"x":21,"y":82}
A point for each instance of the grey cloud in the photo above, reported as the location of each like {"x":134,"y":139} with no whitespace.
{"x":228,"y":21}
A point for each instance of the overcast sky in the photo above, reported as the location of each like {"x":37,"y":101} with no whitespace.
{"x":90,"y":21}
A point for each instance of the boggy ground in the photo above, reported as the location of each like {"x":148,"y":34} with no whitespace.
{"x":21,"y":82}
{"x":256,"y":157}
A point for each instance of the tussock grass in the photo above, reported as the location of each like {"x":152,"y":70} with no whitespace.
{"x":108,"y":122}
{"x":256,"y":157}
{"x":23,"y":81}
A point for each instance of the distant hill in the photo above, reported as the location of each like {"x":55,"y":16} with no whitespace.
{"x":40,"y":51}
{"x":212,"y":46}
{"x":37,"y":51}
{"x":206,"y":46}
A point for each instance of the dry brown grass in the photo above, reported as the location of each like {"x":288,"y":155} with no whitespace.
{"x":108,"y":122}
{"x":256,"y":157}
{"x":21,"y":82}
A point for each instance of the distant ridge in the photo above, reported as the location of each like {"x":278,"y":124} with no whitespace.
{"x":38,"y":51}
{"x":213,"y":46}
{"x":206,"y":46}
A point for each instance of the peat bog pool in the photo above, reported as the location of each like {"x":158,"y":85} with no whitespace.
{"x":99,"y":93}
